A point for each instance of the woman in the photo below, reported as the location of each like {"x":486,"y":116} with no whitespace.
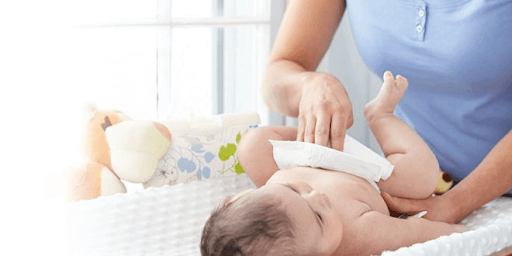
{"x":457,"y":56}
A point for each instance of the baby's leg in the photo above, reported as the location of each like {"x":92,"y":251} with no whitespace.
{"x":416,"y":168}
{"x":255,"y":152}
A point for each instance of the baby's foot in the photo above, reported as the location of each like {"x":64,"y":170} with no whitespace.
{"x":390,"y":94}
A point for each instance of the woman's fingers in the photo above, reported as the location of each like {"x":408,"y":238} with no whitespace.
{"x":325,"y":112}
{"x":403,"y":205}
{"x":306,"y":129}
{"x":325,"y":127}
{"x":300,"y":128}
{"x":322,"y":130}
{"x":339,"y":126}
{"x":309,"y":130}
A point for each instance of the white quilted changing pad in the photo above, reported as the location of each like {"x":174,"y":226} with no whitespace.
{"x":169,"y":221}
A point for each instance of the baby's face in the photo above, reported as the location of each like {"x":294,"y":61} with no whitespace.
{"x":318,"y":228}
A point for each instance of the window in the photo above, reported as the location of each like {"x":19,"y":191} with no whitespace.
{"x":148,"y":58}
{"x":169,"y":58}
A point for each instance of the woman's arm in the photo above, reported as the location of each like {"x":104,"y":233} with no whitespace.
{"x":491,"y":179}
{"x":291,"y":86}
{"x":304,"y":36}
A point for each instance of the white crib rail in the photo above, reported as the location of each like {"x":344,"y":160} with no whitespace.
{"x":155,"y":221}
{"x":169,"y":221}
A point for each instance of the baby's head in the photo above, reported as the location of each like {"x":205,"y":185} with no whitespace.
{"x":247,"y":225}
{"x":276,"y":219}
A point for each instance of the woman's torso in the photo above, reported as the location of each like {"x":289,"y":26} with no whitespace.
{"x":457,"y":56}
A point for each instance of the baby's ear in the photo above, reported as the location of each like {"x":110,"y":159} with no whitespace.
{"x":226,"y":201}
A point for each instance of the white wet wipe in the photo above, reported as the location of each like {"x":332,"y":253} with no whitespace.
{"x":356,"y":158}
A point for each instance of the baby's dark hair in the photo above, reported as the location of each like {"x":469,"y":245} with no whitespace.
{"x":254,"y":226}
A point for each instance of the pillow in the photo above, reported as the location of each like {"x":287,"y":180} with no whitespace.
{"x":202,"y":148}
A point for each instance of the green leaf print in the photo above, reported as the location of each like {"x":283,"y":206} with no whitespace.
{"x":238,"y":137}
{"x":239,"y":169}
{"x":225,"y":152}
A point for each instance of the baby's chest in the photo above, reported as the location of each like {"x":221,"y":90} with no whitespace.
{"x":348,"y":192}
{"x":352,"y":197}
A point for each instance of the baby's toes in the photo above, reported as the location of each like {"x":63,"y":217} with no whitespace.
{"x":389,"y":85}
{"x":388,"y":77}
{"x":402,"y":83}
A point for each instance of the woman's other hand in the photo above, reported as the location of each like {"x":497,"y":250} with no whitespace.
{"x":438,"y":208}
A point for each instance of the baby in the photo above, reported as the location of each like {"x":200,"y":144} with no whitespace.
{"x":312,"y":211}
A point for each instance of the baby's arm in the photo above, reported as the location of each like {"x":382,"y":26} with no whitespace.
{"x":255,"y":152}
{"x":382,"y":232}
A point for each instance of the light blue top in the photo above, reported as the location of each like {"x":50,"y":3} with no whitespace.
{"x":457,"y":56}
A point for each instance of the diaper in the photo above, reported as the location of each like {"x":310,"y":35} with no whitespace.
{"x":356,"y":159}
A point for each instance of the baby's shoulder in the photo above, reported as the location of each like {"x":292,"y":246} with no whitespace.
{"x":360,"y":207}
{"x":301,"y":173}
{"x":355,"y":200}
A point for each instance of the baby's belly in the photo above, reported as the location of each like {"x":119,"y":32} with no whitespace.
{"x":339,"y":186}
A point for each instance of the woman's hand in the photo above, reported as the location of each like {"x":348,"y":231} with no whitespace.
{"x":325,"y":111}
{"x":439,"y":208}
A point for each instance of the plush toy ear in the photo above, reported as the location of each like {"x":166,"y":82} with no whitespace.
{"x":136,"y":147}
{"x":92,"y":180}
{"x":89,"y":111}
{"x":95,"y":143}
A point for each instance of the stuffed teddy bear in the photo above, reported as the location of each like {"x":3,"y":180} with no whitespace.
{"x":116,"y":149}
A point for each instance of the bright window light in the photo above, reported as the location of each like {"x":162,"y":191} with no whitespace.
{"x":151,"y":59}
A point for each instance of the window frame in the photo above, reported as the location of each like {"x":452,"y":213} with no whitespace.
{"x":164,"y":49}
